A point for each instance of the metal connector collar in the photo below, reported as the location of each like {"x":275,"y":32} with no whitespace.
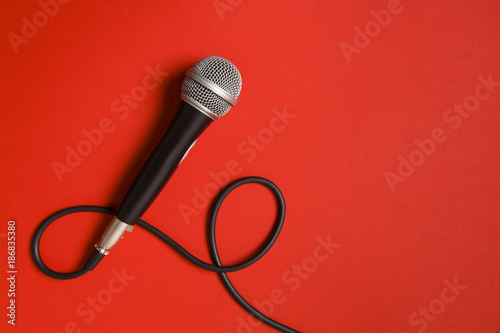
{"x":112,"y":235}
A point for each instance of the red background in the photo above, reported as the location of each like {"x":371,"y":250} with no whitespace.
{"x":352,"y":121}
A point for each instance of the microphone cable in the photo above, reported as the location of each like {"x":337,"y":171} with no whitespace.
{"x":214,"y":253}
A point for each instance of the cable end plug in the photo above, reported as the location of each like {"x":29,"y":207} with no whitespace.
{"x":113,"y":234}
{"x":94,"y":260}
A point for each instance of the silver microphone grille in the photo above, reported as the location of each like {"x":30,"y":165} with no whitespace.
{"x":212,"y":86}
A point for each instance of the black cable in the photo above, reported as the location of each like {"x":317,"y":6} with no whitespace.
{"x":218,"y":267}
{"x":35,"y":245}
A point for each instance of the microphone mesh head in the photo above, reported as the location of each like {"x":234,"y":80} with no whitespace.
{"x":220,"y":72}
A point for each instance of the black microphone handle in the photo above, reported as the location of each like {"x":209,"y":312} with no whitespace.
{"x":186,"y":127}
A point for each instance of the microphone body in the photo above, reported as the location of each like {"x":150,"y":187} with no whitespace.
{"x":186,"y":127}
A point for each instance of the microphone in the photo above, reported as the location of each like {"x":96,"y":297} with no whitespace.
{"x":209,"y":90}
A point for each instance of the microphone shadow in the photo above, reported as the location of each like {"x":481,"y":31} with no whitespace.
{"x":166,"y":113}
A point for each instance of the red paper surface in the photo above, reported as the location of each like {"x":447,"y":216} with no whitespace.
{"x":375,"y":118}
